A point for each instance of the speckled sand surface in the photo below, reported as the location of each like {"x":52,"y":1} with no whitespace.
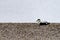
{"x":29,"y":31}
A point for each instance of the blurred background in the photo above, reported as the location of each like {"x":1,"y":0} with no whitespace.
{"x":29,"y":10}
